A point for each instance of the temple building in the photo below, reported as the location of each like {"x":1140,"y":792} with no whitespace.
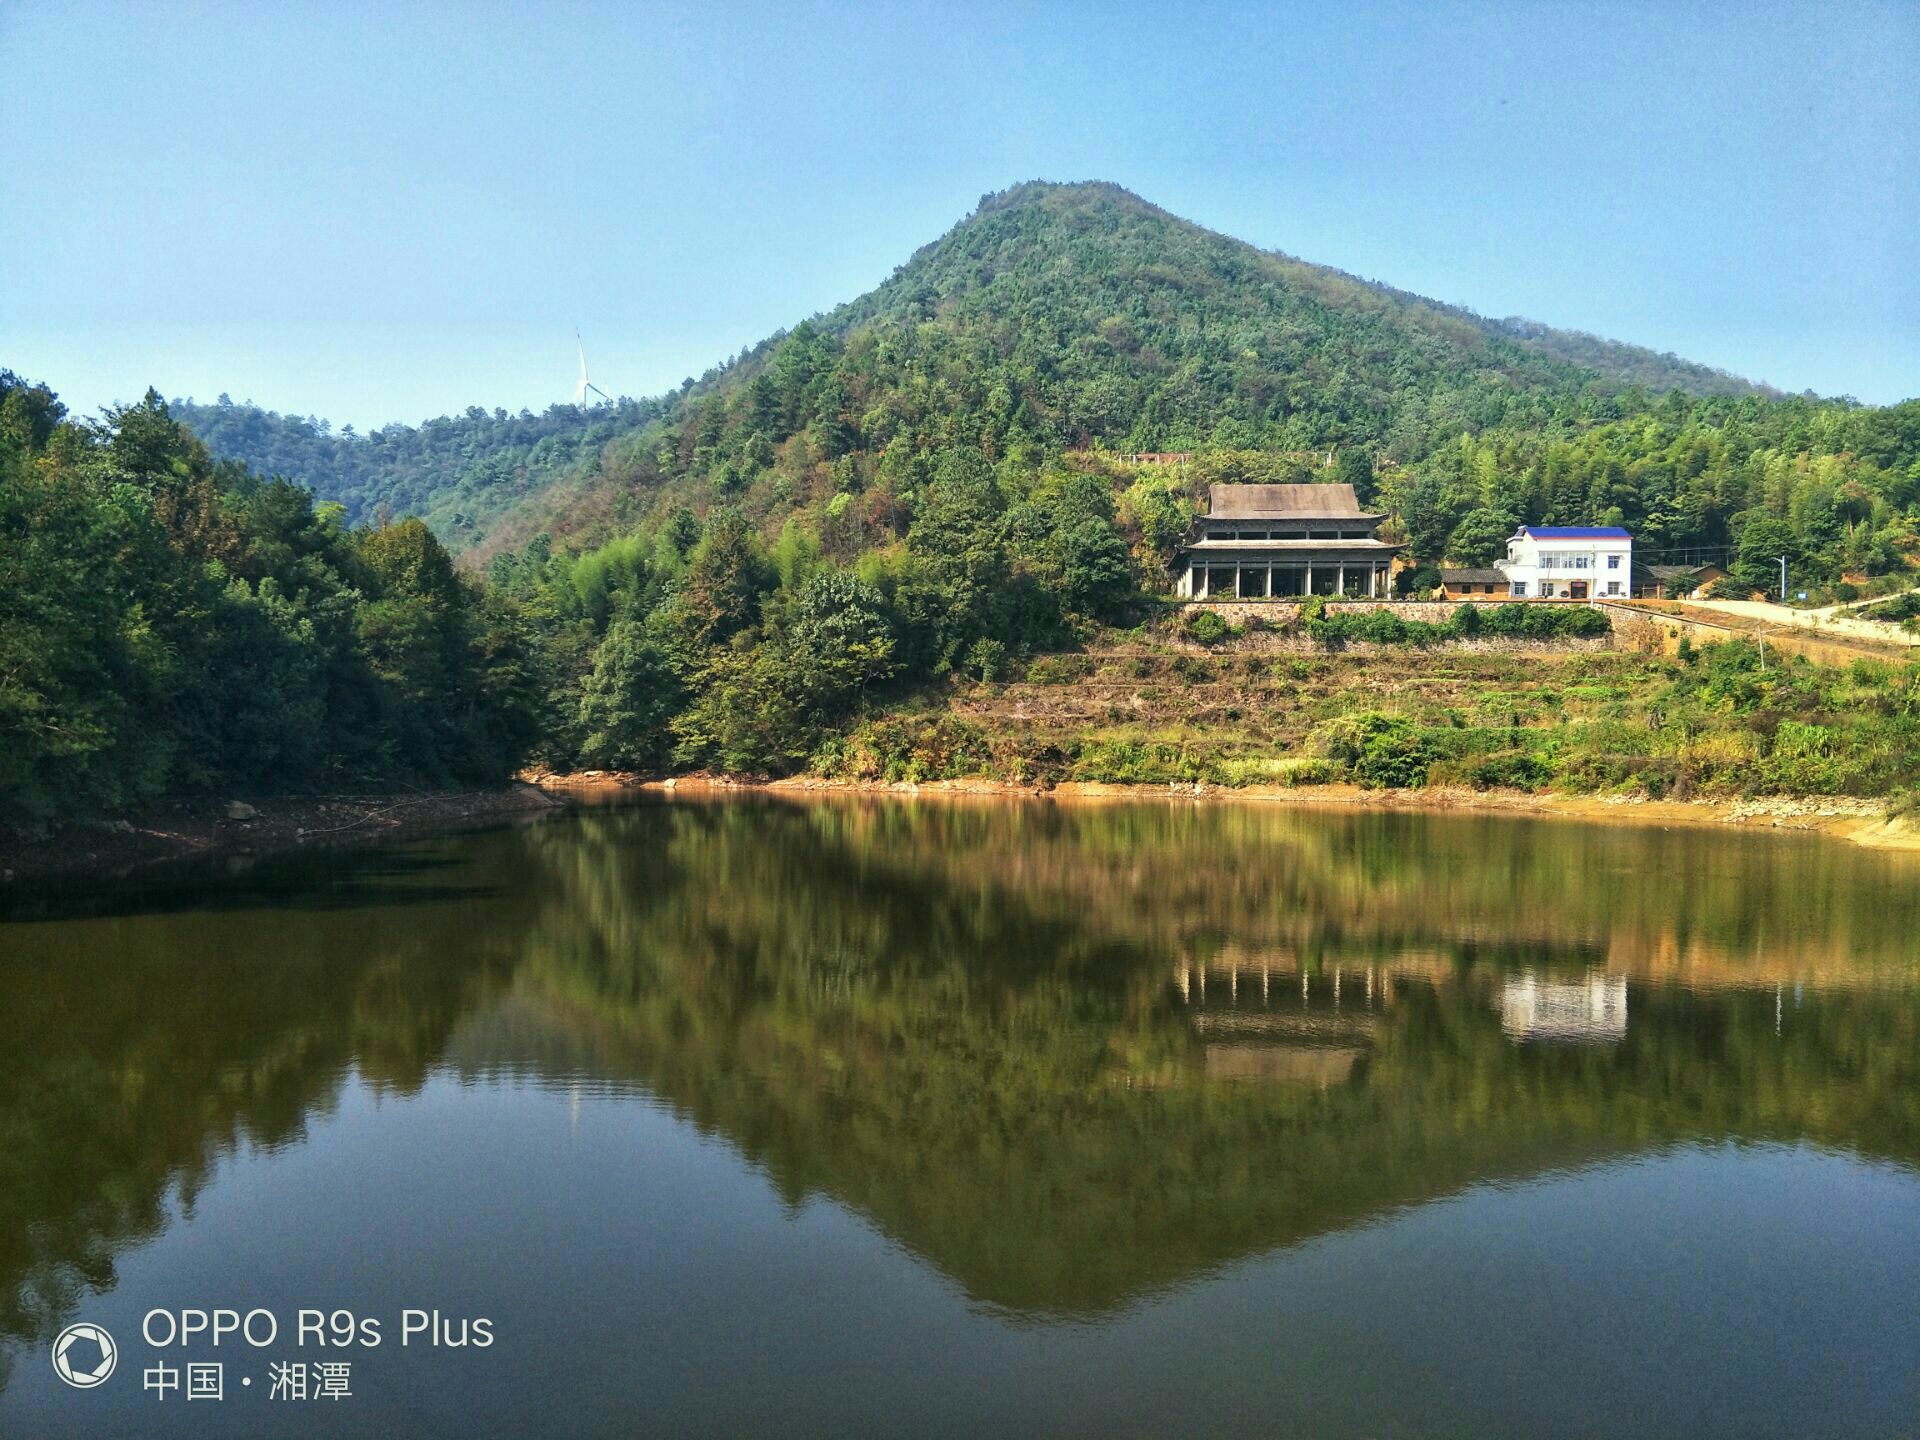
{"x":1257,"y":541}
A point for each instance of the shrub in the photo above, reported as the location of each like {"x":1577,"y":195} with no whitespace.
{"x":1721,"y":761}
{"x":1384,"y":752}
{"x":1382,"y":627}
{"x":1306,"y":770}
{"x":1058,"y":669}
{"x":1900,"y":608}
{"x":1207,"y":627}
{"x":1511,"y":769}
{"x":1276,"y":770}
{"x":1545,"y":622}
{"x":907,"y":748}
{"x":987,"y":658}
{"x":1803,"y":761}
{"x":1142,"y":762}
{"x":1421,"y":580}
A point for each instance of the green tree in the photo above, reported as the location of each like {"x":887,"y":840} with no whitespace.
{"x":1763,"y":540}
{"x":839,"y":643}
{"x":627,"y":702}
{"x":1480,"y":538}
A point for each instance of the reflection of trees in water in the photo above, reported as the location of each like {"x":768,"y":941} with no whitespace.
{"x":967,"y":1022}
{"x":136,"y":1052}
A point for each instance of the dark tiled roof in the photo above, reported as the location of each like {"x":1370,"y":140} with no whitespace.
{"x":1472,"y":577}
{"x":1291,"y":502}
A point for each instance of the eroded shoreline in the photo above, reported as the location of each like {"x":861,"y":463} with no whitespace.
{"x":182,"y":832}
{"x":176,"y":835}
{"x":1861,"y":821}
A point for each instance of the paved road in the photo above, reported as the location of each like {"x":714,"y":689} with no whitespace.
{"x":1828,"y":620}
{"x":1861,"y":604}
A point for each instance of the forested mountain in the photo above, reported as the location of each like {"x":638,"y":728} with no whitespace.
{"x":931,"y":481}
{"x":480,"y":461}
{"x":1055,"y":316}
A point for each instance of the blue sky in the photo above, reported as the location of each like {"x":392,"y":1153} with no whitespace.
{"x":377,"y":213}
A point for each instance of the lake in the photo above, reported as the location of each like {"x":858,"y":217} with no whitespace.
{"x":856,"y":1116}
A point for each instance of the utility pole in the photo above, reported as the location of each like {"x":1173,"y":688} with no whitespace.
{"x":1783,"y":579}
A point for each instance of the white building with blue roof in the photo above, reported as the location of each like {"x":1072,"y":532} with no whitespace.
{"x":1569,"y":562}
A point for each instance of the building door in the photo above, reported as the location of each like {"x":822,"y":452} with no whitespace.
{"x":1577,"y":590}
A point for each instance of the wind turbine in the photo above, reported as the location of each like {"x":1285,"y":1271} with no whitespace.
{"x":580,"y":391}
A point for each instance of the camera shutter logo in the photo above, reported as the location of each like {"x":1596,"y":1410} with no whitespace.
{"x":84,"y":1356}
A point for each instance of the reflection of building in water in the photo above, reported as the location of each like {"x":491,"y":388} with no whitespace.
{"x":1271,"y":1015}
{"x":1286,"y":1045}
{"x":1260,"y":1022}
{"x":1593,"y":1009}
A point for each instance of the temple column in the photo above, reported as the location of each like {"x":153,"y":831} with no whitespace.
{"x":1340,"y":579}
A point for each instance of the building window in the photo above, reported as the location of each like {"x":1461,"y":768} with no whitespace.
{"x":1519,"y":587}
{"x":1613,"y":587}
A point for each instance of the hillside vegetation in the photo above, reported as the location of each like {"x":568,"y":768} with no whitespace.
{"x":930,"y":482}
{"x":1144,"y":708}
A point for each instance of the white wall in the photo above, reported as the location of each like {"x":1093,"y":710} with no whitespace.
{"x":1551,"y":567}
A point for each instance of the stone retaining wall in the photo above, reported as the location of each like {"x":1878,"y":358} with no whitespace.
{"x":1268,"y":642}
{"x":1434,"y":612}
{"x":1269,"y":618}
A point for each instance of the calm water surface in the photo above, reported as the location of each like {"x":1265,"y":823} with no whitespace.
{"x":848,"y":1117}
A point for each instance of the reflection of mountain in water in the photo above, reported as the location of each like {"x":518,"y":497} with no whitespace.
{"x":1068,"y":1056}
{"x":1071,"y":1056}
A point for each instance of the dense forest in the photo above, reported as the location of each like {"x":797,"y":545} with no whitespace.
{"x":930,"y":481}
{"x":170,"y":623}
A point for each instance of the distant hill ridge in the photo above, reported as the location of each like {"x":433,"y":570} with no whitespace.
{"x":1055,"y":316}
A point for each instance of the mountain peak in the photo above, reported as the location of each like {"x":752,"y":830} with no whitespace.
{"x":1059,"y":193}
{"x":1054,"y":316}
